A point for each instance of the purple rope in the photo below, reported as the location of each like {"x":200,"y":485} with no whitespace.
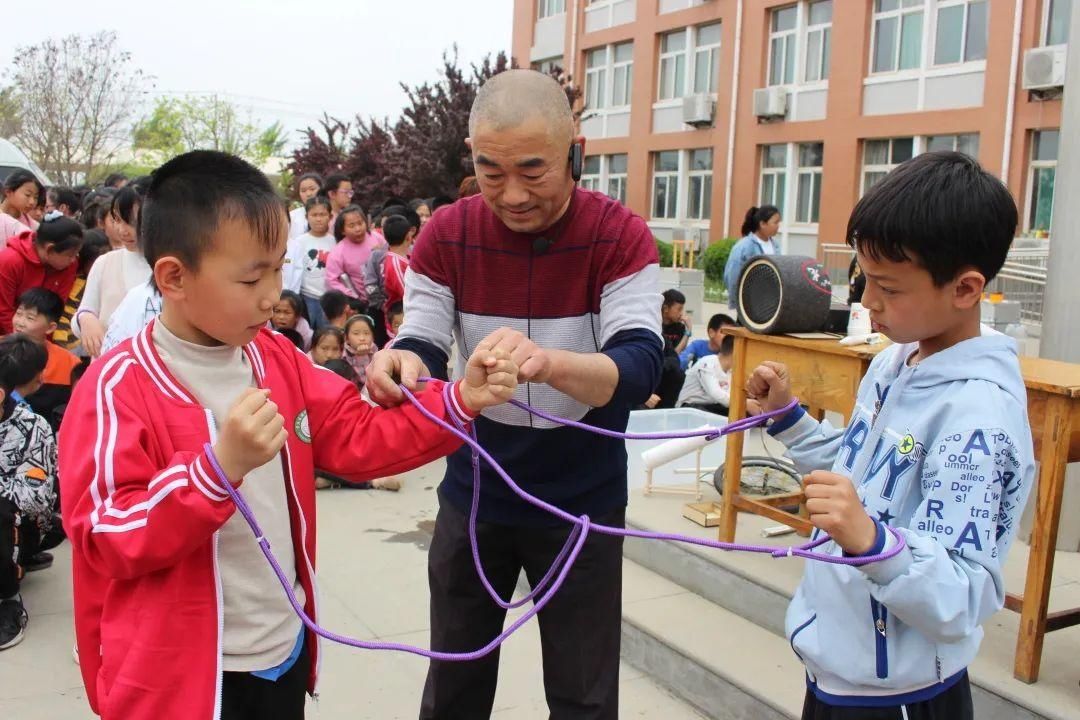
{"x":563,"y":563}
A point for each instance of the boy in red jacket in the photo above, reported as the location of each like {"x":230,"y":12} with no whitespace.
{"x":42,"y":259}
{"x":399,"y":237}
{"x":177,"y":614}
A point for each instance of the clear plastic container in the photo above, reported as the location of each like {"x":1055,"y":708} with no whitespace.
{"x":671,"y":420}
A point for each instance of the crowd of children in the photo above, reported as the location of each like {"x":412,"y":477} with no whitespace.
{"x":873,"y":641}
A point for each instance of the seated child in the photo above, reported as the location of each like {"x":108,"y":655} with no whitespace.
{"x":328,"y":343}
{"x":29,"y":523}
{"x":46,"y":258}
{"x":290,"y":313}
{"x":708,"y":381}
{"x":938,"y":449}
{"x":698,"y":349}
{"x":360,"y":346}
{"x":177,"y":614}
{"x":36,"y":316}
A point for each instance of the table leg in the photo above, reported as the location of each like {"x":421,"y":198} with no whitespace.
{"x":733,"y":455}
{"x":1049,"y":490}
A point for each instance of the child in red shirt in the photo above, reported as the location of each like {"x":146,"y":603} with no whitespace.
{"x":399,"y":238}
{"x":42,"y":259}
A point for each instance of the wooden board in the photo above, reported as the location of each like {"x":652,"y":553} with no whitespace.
{"x":705,"y":514}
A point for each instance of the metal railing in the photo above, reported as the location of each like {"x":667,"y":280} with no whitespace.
{"x":1022,"y":278}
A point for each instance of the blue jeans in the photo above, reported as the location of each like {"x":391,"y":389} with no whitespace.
{"x":316,"y":316}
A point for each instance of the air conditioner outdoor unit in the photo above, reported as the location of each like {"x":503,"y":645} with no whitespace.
{"x":697,"y":110}
{"x":1044,"y":68}
{"x":770,"y":102}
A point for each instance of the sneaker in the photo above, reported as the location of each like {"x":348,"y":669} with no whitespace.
{"x":13,"y":619}
{"x":322,"y":483}
{"x":37,"y":562}
{"x":387,"y":483}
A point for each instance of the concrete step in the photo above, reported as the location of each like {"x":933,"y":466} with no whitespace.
{"x":725,"y":666}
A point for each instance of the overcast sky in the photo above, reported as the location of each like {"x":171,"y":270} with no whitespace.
{"x":286,"y":61}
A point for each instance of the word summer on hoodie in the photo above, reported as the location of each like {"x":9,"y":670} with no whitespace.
{"x":941,"y":451}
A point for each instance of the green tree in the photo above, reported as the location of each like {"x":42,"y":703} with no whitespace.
{"x":177,"y":125}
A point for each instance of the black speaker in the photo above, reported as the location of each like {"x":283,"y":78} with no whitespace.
{"x":784,"y":294}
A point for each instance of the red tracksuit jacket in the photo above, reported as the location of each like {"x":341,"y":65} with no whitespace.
{"x":142,"y":508}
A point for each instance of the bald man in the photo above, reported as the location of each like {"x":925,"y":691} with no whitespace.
{"x":565,"y":281}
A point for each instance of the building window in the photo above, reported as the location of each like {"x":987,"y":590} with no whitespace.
{"x":590,"y":173}
{"x":881,"y":156}
{"x":818,"y":41}
{"x":609,"y":76}
{"x":961,"y":31}
{"x":547,"y":8}
{"x":672,"y":65}
{"x":967,"y":143}
{"x":695,"y":48}
{"x":782,"y":36}
{"x":897,"y":36}
{"x":699,"y":197}
{"x":665,"y":185}
{"x":1057,"y":21}
{"x":606,"y":174}
{"x":616,"y":177}
{"x":707,"y":58}
{"x":773,"y":175}
{"x":808,"y":191}
{"x":1044,"y":151}
{"x":548,"y":65}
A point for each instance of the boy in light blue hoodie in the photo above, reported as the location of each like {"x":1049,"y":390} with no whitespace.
{"x":938,"y":449}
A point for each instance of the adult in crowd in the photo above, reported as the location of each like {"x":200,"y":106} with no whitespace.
{"x":759,"y":230}
{"x":565,"y":281}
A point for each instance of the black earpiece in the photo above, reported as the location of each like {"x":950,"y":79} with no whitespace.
{"x":577,"y":161}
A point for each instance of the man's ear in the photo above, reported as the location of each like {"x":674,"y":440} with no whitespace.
{"x":468,"y":142}
{"x":969,"y":286}
{"x":170,"y":276}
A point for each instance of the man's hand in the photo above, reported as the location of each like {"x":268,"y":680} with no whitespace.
{"x":389,"y":367}
{"x":533,"y":362}
{"x":770,"y":386}
{"x":835,"y":508}
{"x":490,"y":379}
{"x":252,"y":434}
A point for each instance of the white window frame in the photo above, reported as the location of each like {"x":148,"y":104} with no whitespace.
{"x":671,"y":179}
{"x":546,"y":65}
{"x":902,"y":9}
{"x":916,"y":149}
{"x":956,"y":137}
{"x":550,"y":8}
{"x":680,"y":180}
{"x":790,"y":38}
{"x":1044,"y":34}
{"x":705,"y":189}
{"x":812,"y":174}
{"x":627,"y":68}
{"x":591,"y":180}
{"x":602,"y":99}
{"x":601,"y":180}
{"x":779,"y":177}
{"x":688,"y":56}
{"x":938,"y":6}
{"x":1034,"y":165}
{"x":928,"y":41}
{"x":712,"y":50}
{"x":824,"y":29}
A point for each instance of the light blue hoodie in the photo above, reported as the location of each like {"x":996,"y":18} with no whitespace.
{"x":942,"y":452}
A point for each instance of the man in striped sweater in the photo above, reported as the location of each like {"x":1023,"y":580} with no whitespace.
{"x":566,"y":281}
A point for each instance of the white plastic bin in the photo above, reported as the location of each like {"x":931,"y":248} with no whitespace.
{"x":674,"y":419}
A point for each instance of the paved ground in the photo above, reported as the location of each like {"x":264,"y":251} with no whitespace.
{"x":372,"y":555}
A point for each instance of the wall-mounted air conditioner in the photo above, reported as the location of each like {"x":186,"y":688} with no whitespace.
{"x":1044,"y":68}
{"x":771,"y":102}
{"x":697,"y":110}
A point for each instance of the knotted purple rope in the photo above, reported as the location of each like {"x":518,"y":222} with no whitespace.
{"x":560,"y":568}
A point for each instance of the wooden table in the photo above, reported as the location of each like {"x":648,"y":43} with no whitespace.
{"x":826,"y":376}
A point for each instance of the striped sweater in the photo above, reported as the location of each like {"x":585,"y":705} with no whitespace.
{"x":592,"y":290}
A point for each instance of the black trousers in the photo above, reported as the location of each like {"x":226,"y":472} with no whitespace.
{"x":246,"y":697}
{"x":953,"y":704}
{"x":20,"y":540}
{"x":580,"y":628}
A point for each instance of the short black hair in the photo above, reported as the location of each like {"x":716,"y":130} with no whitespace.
{"x":95,"y":244}
{"x":673,"y":297}
{"x":61,"y":232}
{"x":21,"y":360}
{"x":727,"y":345}
{"x":294,"y":337}
{"x":719,"y":320}
{"x":298,"y":305}
{"x":416,"y":203}
{"x":333,"y":183}
{"x":941,"y":210}
{"x":43,"y":301}
{"x":325,"y":330}
{"x":334,"y":303}
{"x":404,"y":212}
{"x":397,"y":308}
{"x":395,"y":229}
{"x":114,"y":178}
{"x":309,"y":176}
{"x":314,"y":202}
{"x":440,"y":201}
{"x":342,"y":368}
{"x":193,"y":193}
{"x":339,"y":221}
{"x":64,"y":196}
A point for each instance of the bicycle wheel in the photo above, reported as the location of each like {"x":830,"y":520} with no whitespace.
{"x":763,"y":476}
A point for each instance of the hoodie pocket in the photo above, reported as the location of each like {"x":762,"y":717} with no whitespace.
{"x":880,"y":615}
{"x":795,"y":634}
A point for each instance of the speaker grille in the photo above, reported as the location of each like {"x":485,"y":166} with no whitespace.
{"x":760,"y":293}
